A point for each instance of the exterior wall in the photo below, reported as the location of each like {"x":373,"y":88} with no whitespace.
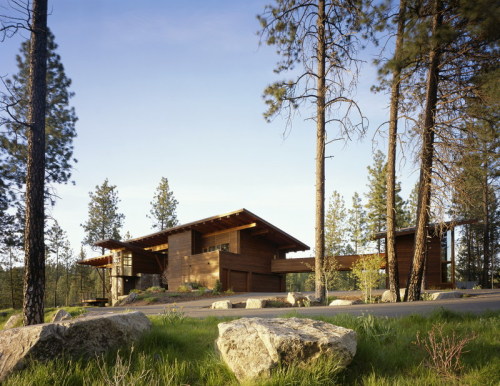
{"x":231,"y":238}
{"x":433,"y":267}
{"x":179,"y":246}
{"x":250,"y":270}
{"x":145,"y":281}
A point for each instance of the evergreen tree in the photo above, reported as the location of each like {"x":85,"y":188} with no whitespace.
{"x":55,"y":241}
{"x":104,"y":221}
{"x":377,"y":199}
{"x":335,"y":226}
{"x":317,"y":44}
{"x":357,"y":224}
{"x":60,"y":119}
{"x":163,"y":207}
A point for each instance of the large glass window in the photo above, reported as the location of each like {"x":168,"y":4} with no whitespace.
{"x":446,"y":256}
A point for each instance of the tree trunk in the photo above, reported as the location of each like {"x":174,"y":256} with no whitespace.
{"x":392,"y":261}
{"x":486,"y":230}
{"x":11,"y":269}
{"x":424,"y":194}
{"x":34,"y":261}
{"x":320,"y":156}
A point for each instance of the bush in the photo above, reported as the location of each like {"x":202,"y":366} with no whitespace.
{"x":183,"y":288}
{"x":217,"y":287}
{"x":155,"y":289}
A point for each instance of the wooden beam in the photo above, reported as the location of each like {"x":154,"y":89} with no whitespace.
{"x":247,"y":226}
{"x":160,"y":247}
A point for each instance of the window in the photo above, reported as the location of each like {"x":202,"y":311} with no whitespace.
{"x":218,"y":247}
{"x":446,"y":256}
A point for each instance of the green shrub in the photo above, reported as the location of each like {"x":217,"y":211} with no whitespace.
{"x":155,"y":289}
{"x":183,"y":288}
{"x":136,"y":291}
{"x":218,"y":287}
{"x":150,"y":299}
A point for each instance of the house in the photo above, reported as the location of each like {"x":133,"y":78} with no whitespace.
{"x":439,"y":271}
{"x":236,"y":248}
{"x":246,"y":253}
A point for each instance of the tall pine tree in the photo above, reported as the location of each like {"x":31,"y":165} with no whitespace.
{"x":163,"y":207}
{"x":104,"y":221}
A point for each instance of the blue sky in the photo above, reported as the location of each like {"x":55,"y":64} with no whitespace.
{"x":173,"y":89}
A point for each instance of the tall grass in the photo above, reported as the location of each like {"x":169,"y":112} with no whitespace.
{"x":183,"y":352}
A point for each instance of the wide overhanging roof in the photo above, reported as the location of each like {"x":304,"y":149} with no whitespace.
{"x":239,"y":219}
{"x":442,"y":226}
{"x":104,"y":261}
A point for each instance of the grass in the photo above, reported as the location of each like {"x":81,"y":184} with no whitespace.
{"x":49,"y":313}
{"x":181,"y":351}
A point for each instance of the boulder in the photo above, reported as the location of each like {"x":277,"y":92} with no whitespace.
{"x":86,"y":336}
{"x":312,"y":299}
{"x":388,"y":298}
{"x":252,"y":347}
{"x":446,"y":295}
{"x":14,"y":321}
{"x":295,"y":298}
{"x":125,"y":299}
{"x":221,"y":305}
{"x":255,"y":303}
{"x":343,"y":302}
{"x":61,"y":315}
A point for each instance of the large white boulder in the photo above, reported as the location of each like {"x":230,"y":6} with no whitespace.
{"x":387,"y":296}
{"x":255,"y":303}
{"x":221,"y":305}
{"x":295,"y":298}
{"x":125,"y":299}
{"x":252,"y":347}
{"x":343,"y":302}
{"x":446,"y":295}
{"x":86,"y":336}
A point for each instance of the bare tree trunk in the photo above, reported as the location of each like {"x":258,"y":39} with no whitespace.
{"x":11,"y":266}
{"x":34,"y":246}
{"x":320,"y":156}
{"x":486,"y":230}
{"x":392,"y":261}
{"x":424,"y":194}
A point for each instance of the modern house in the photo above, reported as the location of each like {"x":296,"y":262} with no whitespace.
{"x":236,"y":248}
{"x":439,"y":271}
{"x":245,"y":253}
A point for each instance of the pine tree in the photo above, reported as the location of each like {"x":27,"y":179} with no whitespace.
{"x":163,"y":207}
{"x":60,"y":118}
{"x":105,"y":221}
{"x":357,"y":223}
{"x":317,"y":45}
{"x":54,"y":245}
{"x":335,"y":226}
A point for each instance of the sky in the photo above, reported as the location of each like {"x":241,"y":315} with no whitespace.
{"x":174,"y":89}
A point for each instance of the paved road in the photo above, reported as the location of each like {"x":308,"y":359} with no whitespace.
{"x":481,"y":301}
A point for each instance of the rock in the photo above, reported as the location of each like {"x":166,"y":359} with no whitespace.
{"x":312,"y":299}
{"x":388,"y":298}
{"x":86,"y":336}
{"x":255,"y":303}
{"x":295,"y":298}
{"x":61,"y":315}
{"x":221,"y":305}
{"x":446,"y":295}
{"x":343,"y":302}
{"x":14,"y":321}
{"x":126,"y":299}
{"x":252,"y":347}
